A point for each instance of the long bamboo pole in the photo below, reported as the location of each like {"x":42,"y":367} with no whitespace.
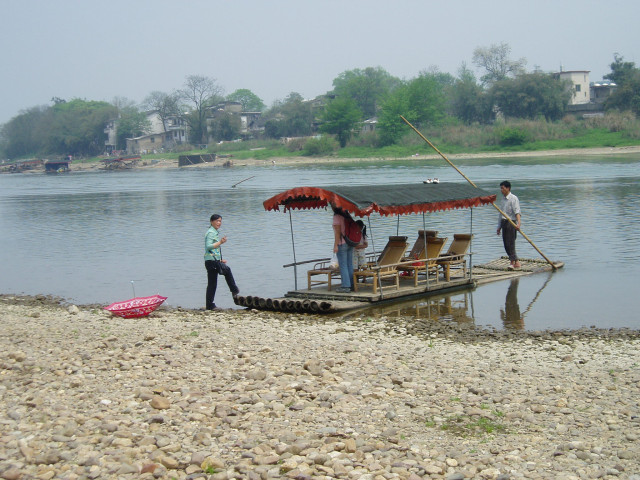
{"x":469,"y":180}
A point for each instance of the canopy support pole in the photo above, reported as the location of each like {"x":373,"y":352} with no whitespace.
{"x":504,"y":215}
{"x":295,"y":262}
{"x":471,"y":247}
{"x":373,"y":245}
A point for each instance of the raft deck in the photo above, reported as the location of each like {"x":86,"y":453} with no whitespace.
{"x":319,"y":299}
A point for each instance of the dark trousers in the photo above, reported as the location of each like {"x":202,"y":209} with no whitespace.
{"x":215,"y":268}
{"x":509,"y":233}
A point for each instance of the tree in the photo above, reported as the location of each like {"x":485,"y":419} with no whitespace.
{"x":291,"y":117}
{"x":131,"y":123}
{"x":469,"y":101}
{"x":225,"y":126}
{"x":368,"y":88}
{"x":76,"y":127}
{"x":627,"y":79}
{"x":203,"y":92}
{"x":340,"y":117}
{"x":427,"y":98}
{"x":166,"y":105}
{"x":249,"y":100}
{"x":532,"y":95}
{"x":495,"y":61}
{"x":22,"y":136}
{"x":390,"y":125}
{"x":421,"y":101}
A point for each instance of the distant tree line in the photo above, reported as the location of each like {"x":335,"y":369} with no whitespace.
{"x":77,"y":127}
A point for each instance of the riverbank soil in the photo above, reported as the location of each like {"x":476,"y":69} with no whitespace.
{"x":162,"y":163}
{"x":190,"y":394}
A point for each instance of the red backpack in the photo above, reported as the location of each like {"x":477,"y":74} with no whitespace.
{"x":352,"y":232}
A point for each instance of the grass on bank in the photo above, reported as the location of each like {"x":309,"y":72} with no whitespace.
{"x":611,"y":130}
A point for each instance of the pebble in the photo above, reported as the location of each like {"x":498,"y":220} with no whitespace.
{"x":261,"y":395}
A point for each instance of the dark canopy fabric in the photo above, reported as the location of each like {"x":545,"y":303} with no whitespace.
{"x":400,"y":199}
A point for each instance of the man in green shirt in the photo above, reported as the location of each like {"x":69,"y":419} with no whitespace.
{"x":214,"y":263}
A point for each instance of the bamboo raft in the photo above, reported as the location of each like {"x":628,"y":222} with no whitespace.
{"x":321,"y":300}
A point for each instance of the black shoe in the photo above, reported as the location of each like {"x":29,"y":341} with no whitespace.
{"x":235,"y":293}
{"x":213,"y":307}
{"x":343,"y":290}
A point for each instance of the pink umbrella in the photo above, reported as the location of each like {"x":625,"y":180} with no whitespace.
{"x":136,"y":307}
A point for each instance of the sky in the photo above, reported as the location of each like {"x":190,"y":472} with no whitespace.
{"x":100,"y":50}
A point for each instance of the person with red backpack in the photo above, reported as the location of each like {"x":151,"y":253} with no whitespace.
{"x":343,"y":246}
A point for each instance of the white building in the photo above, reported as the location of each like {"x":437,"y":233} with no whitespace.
{"x":579,"y":85}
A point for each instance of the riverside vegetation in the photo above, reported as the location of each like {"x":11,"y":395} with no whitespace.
{"x":610,"y":130}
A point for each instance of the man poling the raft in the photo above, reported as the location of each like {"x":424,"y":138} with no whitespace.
{"x":504,"y":215}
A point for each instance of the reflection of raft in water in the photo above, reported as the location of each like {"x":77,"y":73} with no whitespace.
{"x":401,"y":278}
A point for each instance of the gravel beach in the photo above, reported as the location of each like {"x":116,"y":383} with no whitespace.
{"x":188,"y":394}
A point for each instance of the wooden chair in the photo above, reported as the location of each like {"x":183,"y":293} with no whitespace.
{"x":387,"y":265}
{"x":427,"y":260}
{"x":418,"y":246}
{"x":456,"y":255}
{"x":322,"y":269}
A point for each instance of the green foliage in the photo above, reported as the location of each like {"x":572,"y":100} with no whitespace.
{"x":131,"y":123}
{"x":320,"y":146}
{"x":292,"y":117}
{"x":66,"y":128}
{"x":340,"y":117}
{"x":225,"y":126}
{"x":367,"y":88}
{"x":25,"y":134}
{"x":421,"y":102}
{"x":249,"y":100}
{"x":390,"y":126}
{"x":627,"y":93}
{"x":531,"y":95}
{"x":469,"y":102}
{"x":512,"y":136}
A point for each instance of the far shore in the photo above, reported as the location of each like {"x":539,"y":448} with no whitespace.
{"x":150,"y":162}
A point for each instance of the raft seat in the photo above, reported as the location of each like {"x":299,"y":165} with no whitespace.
{"x":386,"y":268}
{"x":456,"y":255}
{"x":321,"y":269}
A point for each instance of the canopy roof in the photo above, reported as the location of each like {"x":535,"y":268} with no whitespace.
{"x":401,"y":199}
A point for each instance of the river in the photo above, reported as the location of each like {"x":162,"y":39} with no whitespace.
{"x":98,"y":237}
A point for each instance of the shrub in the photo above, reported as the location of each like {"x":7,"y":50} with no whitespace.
{"x":614,"y":122}
{"x":510,"y":136}
{"x":320,"y":146}
{"x":368,"y":139}
{"x":296,"y":145}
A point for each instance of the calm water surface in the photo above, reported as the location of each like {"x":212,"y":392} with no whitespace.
{"x":86,"y":236}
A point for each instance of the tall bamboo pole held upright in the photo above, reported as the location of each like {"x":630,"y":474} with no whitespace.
{"x":469,"y":180}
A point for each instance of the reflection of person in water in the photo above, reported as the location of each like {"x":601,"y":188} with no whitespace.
{"x":511,"y":317}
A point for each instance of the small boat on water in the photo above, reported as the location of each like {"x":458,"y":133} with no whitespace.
{"x":396,"y":272}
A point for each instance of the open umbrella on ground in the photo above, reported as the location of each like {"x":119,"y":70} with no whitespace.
{"x":136,"y":307}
